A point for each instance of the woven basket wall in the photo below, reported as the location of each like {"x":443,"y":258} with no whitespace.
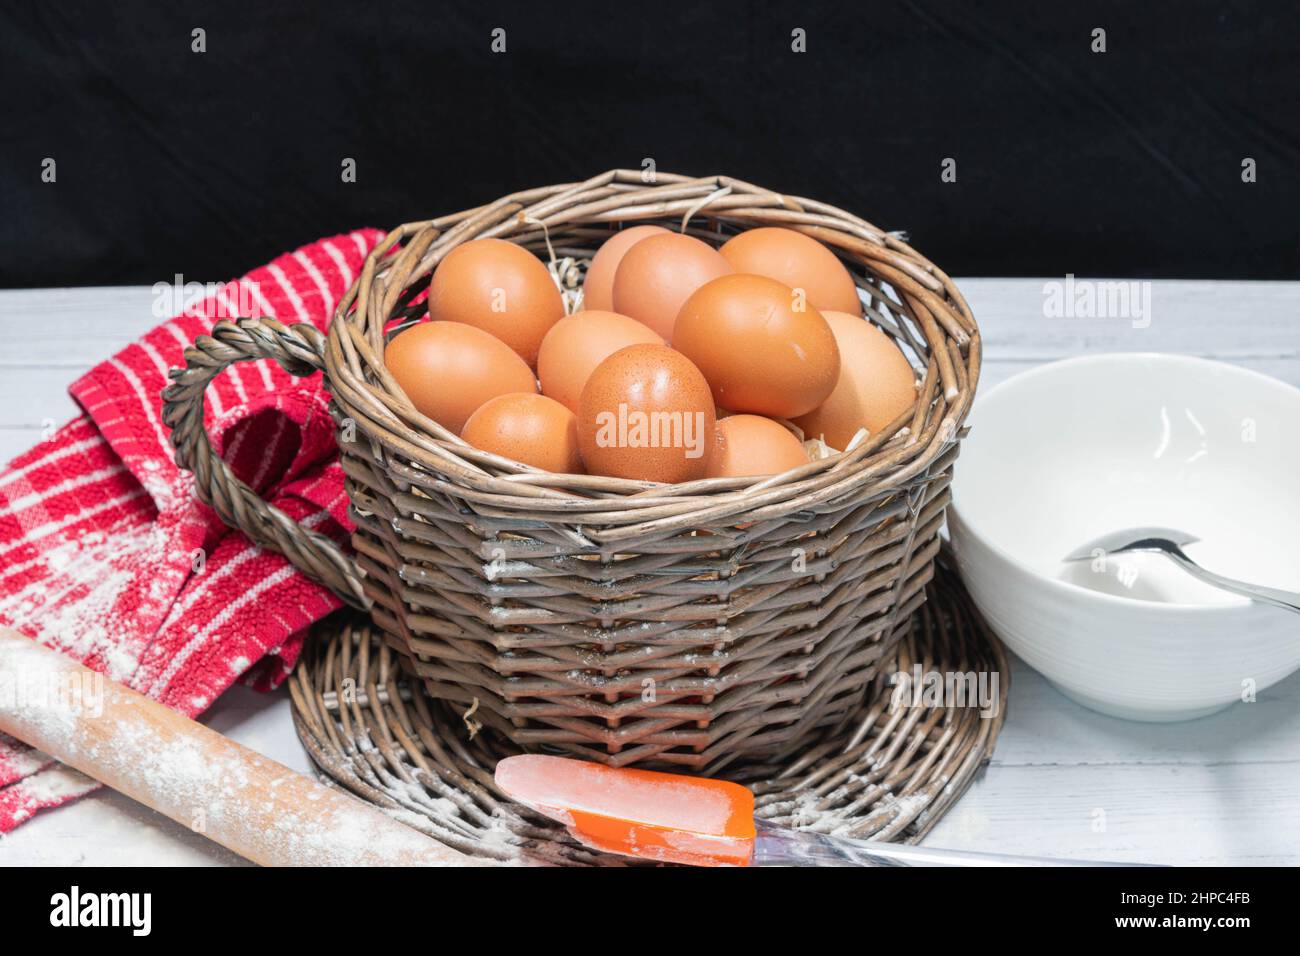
{"x":621,"y":621}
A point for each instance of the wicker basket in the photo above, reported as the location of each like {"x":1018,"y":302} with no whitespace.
{"x":590,"y":615}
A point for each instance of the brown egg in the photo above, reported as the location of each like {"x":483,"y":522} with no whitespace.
{"x":876,"y":384}
{"x":598,"y":286}
{"x":500,"y":288}
{"x":448,"y":370}
{"x":527,"y":427}
{"x":658,"y":274}
{"x":798,"y":261}
{"x":578,"y":343}
{"x":646,"y":413}
{"x":747,"y":445}
{"x":758,"y":352}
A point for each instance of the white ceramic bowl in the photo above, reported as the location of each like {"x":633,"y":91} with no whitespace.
{"x":1066,"y":452}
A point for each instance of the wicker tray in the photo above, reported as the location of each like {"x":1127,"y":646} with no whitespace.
{"x":888,"y":771}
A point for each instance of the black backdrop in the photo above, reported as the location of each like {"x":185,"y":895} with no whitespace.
{"x":1125,"y":163}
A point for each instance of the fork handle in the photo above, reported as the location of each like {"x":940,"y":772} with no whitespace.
{"x":1277,"y":597}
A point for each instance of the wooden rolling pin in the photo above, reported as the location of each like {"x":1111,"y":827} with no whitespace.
{"x":248,"y":803}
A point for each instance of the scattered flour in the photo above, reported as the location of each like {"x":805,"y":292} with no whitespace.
{"x":93,"y":593}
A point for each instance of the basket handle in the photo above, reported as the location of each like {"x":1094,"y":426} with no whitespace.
{"x":299,"y":350}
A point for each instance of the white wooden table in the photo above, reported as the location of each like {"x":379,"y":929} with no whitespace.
{"x":1063,"y":782}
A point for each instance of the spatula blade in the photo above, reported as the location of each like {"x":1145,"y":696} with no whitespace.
{"x":664,"y":817}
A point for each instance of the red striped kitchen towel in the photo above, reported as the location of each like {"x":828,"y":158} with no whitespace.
{"x":106,"y":555}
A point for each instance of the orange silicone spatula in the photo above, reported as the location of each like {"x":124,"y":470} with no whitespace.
{"x":700,"y":822}
{"x":654,"y":816}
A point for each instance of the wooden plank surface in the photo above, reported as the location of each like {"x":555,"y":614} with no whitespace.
{"x":1064,"y":781}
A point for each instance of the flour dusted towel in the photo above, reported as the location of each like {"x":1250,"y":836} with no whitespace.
{"x":106,"y":555}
